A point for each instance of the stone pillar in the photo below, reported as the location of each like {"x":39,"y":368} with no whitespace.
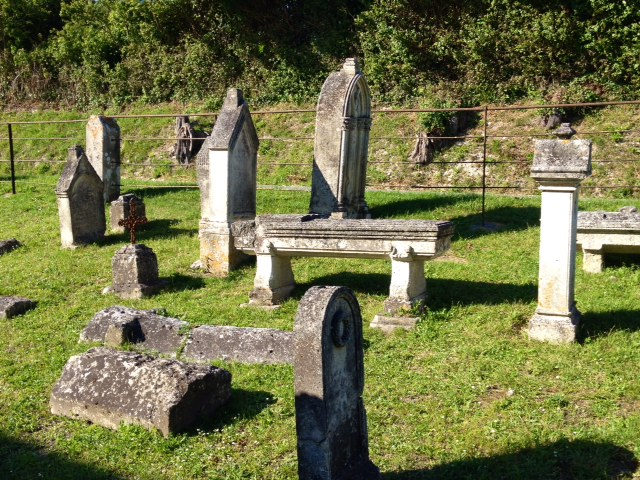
{"x":558,"y":166}
{"x":227,"y":178}
{"x":273,"y":282}
{"x":103,"y":151}
{"x":331,"y":421}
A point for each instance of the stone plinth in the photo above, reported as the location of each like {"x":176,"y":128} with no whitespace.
{"x":109,"y":388}
{"x":144,"y":329}
{"x":80,"y":202}
{"x":343,"y":122}
{"x":607,"y":232}
{"x":559,"y":166}
{"x":121,"y":209}
{"x":245,"y":345}
{"x":227,"y":168}
{"x":103,"y":151}
{"x":135,"y":272}
{"x":331,"y":421}
{"x":12,"y":306}
{"x":9,"y":245}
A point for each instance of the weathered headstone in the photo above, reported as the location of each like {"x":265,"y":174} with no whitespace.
{"x":244,"y":345}
{"x":227,"y":178}
{"x":118,"y":325}
{"x":80,"y":202}
{"x":12,"y":306}
{"x":110,"y":387}
{"x":7,"y":246}
{"x":121,"y":209}
{"x":135,"y":272}
{"x":103,"y":151}
{"x":343,"y":123}
{"x":558,"y":166}
{"x":331,"y":421}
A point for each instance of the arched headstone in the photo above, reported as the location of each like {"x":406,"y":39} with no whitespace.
{"x":331,"y":421}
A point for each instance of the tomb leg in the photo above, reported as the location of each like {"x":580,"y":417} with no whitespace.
{"x":218,"y":254}
{"x":273,"y":282}
{"x":592,"y":260}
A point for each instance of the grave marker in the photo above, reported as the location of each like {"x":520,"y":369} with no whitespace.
{"x":103,"y":151}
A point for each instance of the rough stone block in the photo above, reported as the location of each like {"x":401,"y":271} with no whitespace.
{"x":121,"y":209}
{"x":7,"y":246}
{"x":109,"y":387}
{"x":144,"y":328}
{"x":245,"y":345}
{"x":389,"y":324}
{"x":12,"y":306}
{"x":135,"y":272}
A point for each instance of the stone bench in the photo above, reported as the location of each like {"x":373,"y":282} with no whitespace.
{"x":607,"y":232}
{"x":274,"y":239}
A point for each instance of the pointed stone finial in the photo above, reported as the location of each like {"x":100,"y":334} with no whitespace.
{"x":564,"y":131}
{"x":234,"y":98}
{"x":351,"y":65}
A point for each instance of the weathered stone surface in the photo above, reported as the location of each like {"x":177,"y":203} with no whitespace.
{"x":599,"y":233}
{"x":80,"y":202}
{"x":9,"y":245}
{"x":103,"y":151}
{"x":135,"y":272}
{"x":389,"y":324}
{"x":343,"y":122}
{"x":144,"y":328}
{"x":245,"y":345}
{"x":121,"y":209}
{"x":331,"y":420}
{"x":228,"y":191}
{"x":109,"y":387}
{"x":12,"y":306}
{"x":559,"y":166}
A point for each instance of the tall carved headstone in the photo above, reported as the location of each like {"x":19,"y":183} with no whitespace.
{"x":227,"y":178}
{"x":80,"y":202}
{"x":331,"y":421}
{"x":343,"y":122}
{"x":558,"y":166}
{"x":103,"y":151}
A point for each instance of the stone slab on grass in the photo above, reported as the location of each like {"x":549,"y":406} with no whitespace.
{"x":109,"y":387}
{"x":144,"y":328}
{"x":12,"y":306}
{"x":245,"y":345}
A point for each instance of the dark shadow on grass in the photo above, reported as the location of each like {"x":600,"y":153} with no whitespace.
{"x":562,"y":460}
{"x":370,"y":283}
{"x":616,"y":260}
{"x":179,"y":283}
{"x":404,"y":207}
{"x":243,"y":405}
{"x":501,"y":219}
{"x":595,"y":325}
{"x":20,"y":461}
{"x":151,"y":192}
{"x":153,"y":230}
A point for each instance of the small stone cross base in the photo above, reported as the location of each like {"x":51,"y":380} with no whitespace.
{"x":135,"y":272}
{"x":554,"y":328}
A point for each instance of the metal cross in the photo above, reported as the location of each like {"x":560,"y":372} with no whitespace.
{"x":132,"y":222}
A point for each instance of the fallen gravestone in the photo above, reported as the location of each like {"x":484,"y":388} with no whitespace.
{"x":80,"y":202}
{"x":145,"y":329}
{"x":7,"y":246}
{"x":109,"y":387}
{"x":12,"y":306}
{"x":245,"y":345}
{"x":121,"y":210}
{"x":331,"y":421}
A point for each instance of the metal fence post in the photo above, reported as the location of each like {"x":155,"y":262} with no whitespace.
{"x":484,"y":165}
{"x":11,"y":158}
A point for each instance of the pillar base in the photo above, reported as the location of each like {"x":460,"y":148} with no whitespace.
{"x":218,"y":255}
{"x":551,"y":328}
{"x":592,"y":261}
{"x":273,"y":282}
{"x":389,"y":324}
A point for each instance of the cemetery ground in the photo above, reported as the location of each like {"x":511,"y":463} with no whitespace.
{"x":465,"y":395}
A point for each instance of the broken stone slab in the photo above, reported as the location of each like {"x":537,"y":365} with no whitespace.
{"x":12,"y":306}
{"x":245,"y":345}
{"x":389,"y":324}
{"x":145,"y":329}
{"x":7,"y":246}
{"x":109,"y":387}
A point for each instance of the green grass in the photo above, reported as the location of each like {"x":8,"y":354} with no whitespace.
{"x":465,"y":395}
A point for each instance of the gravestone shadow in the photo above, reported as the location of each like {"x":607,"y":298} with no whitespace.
{"x":501,"y":219}
{"x":143,"y":193}
{"x":20,"y":460}
{"x":562,"y":460}
{"x":401,"y":208}
{"x":179,"y":283}
{"x":599,"y":324}
{"x":153,"y":230}
{"x":371,"y":283}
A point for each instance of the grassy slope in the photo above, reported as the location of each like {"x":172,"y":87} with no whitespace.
{"x":466,"y":395}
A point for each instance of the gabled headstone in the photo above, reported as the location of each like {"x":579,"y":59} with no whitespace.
{"x":109,"y":388}
{"x":103,"y":151}
{"x":227,"y":178}
{"x":80,"y":202}
{"x":331,"y":421}
{"x":343,"y":123}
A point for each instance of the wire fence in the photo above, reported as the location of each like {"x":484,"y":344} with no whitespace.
{"x":482,"y":149}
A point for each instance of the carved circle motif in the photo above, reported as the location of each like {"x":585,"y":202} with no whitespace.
{"x":341,"y":328}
